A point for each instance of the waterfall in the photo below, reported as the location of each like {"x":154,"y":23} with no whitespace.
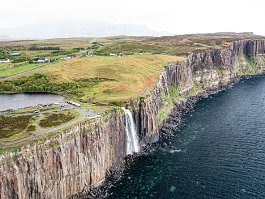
{"x":132,"y":141}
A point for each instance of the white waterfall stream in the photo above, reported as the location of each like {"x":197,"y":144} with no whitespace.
{"x":132,"y":139}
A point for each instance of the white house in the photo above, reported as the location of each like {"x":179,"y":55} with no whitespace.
{"x":81,"y":50}
{"x":71,"y":56}
{"x":40,"y":60}
{"x":4,"y":60}
{"x":73,"y":103}
{"x":15,"y":53}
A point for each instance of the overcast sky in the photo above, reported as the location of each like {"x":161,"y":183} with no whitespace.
{"x":172,"y":16}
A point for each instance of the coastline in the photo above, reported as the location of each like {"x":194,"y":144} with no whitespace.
{"x":94,"y":148}
{"x":101,"y":191}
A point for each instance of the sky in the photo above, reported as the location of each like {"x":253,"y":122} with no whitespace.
{"x":162,"y":16}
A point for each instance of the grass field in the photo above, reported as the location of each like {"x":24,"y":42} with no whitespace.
{"x":7,"y":69}
{"x":102,"y":79}
{"x":129,"y":76}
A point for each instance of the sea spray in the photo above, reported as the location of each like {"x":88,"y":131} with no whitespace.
{"x":132,"y":139}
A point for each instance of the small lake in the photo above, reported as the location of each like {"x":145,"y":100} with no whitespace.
{"x":15,"y":101}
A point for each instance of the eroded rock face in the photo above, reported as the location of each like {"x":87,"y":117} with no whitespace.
{"x":146,"y":114}
{"x":249,"y":47}
{"x":213,"y":68}
{"x":211,"y":58}
{"x":93,"y":148}
{"x":179,"y":74}
{"x":81,"y":156}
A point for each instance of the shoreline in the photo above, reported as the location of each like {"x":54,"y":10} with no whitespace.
{"x":176,"y":116}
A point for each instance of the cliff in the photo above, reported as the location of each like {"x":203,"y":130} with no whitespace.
{"x":250,"y":47}
{"x":65,"y":165}
{"x":80,"y":157}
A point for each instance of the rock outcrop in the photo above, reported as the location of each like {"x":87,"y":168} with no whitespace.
{"x":81,"y":156}
{"x":250,"y":47}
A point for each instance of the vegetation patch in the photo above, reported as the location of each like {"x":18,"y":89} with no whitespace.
{"x":36,"y":47}
{"x":131,"y":48}
{"x":195,"y":89}
{"x":248,"y":66}
{"x":168,"y":101}
{"x":17,"y":127}
{"x":32,"y":109}
{"x":56,"y":119}
{"x":185,"y":44}
{"x":40,"y":83}
{"x":7,"y":69}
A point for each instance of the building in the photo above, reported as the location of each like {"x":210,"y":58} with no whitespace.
{"x":4,"y":60}
{"x":15,"y":53}
{"x":120,"y":54}
{"x":96,"y":44}
{"x":81,"y":50}
{"x":71,"y":56}
{"x":92,"y":55}
{"x":73,"y":103}
{"x":40,"y":60}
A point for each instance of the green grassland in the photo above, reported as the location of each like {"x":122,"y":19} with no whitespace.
{"x":247,"y":66}
{"x":9,"y":69}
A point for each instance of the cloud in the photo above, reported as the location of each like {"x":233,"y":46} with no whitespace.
{"x":186,"y":16}
{"x":79,"y":28}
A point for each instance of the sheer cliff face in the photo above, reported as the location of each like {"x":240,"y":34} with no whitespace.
{"x":250,"y":47}
{"x":213,"y":67}
{"x":147,"y":110}
{"x":81,"y":156}
{"x":61,"y":171}
{"x":206,"y":71}
{"x":179,"y":74}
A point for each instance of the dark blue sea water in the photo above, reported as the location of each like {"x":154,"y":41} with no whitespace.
{"x":222,"y":152}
